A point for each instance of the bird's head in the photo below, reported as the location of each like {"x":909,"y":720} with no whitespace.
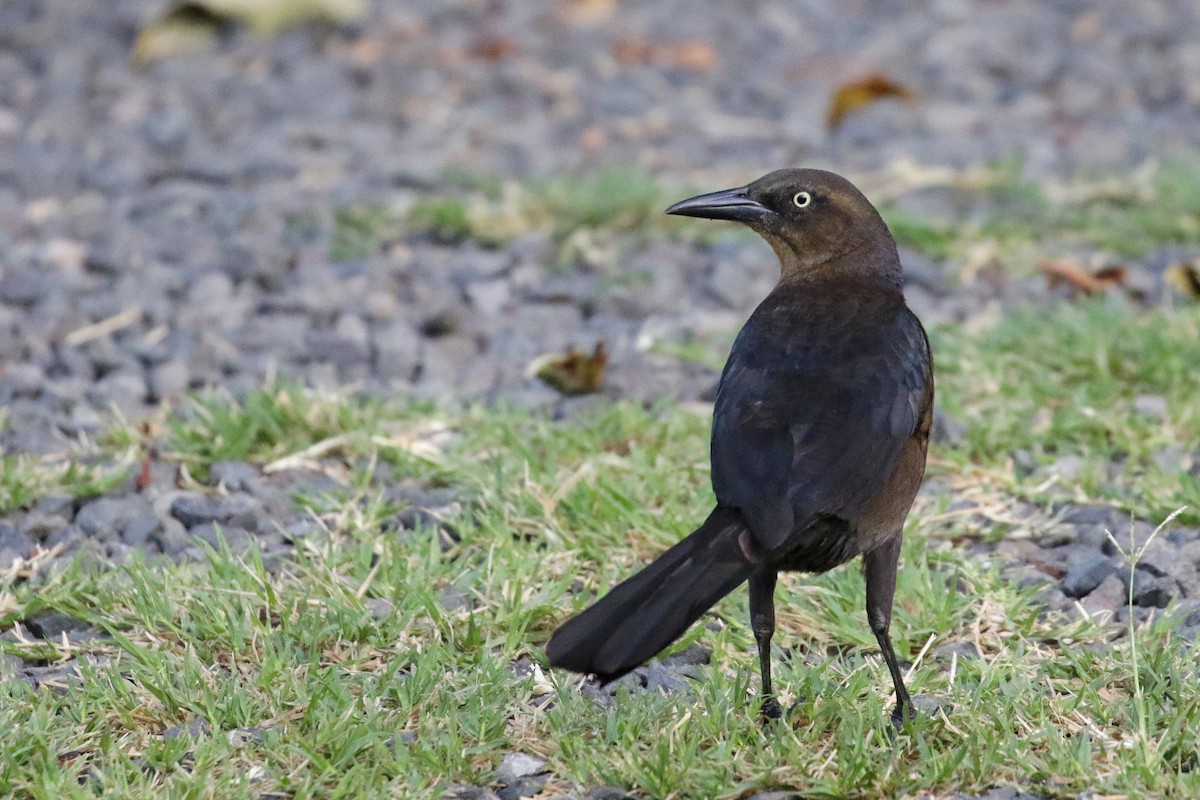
{"x":817,"y":222}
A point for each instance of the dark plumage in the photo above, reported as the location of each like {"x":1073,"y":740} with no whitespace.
{"x":819,"y":434}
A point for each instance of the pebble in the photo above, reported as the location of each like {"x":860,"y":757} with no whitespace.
{"x":194,"y":509}
{"x":519,"y":765}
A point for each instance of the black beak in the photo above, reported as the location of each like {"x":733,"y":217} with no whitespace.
{"x":728,"y":204}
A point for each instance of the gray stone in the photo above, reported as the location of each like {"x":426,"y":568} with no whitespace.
{"x":12,"y":538}
{"x":525,"y":787}
{"x":52,"y":624}
{"x":243,"y":737}
{"x":212,"y":533}
{"x":662,"y":679}
{"x":397,"y":351}
{"x":1084,"y":576}
{"x":1153,"y":406}
{"x":947,"y":429}
{"x":69,"y":538}
{"x":108,"y":517}
{"x":453,"y":598}
{"x":519,"y":765}
{"x":463,"y":791}
{"x":610,"y":793}
{"x":1106,"y":597}
{"x":234,"y":510}
{"x":1067,"y":467}
{"x":489,"y":297}
{"x":169,"y":380}
{"x":380,"y":608}
{"x":234,"y":476}
{"x":960,"y":650}
{"x":194,"y":729}
{"x":1149,"y":590}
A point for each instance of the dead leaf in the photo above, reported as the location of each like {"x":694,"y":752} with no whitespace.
{"x":195,"y":25}
{"x":585,"y":12}
{"x":853,"y":96}
{"x":1184,"y":278}
{"x":692,"y":55}
{"x":573,"y":372}
{"x":1070,"y":273}
{"x":493,"y":48}
{"x":186,"y":29}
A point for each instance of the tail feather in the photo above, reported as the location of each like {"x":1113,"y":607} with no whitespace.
{"x":645,"y":613}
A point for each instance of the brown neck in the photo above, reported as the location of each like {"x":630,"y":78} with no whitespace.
{"x":873,"y":261}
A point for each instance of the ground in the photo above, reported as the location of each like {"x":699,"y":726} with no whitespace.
{"x":283,"y":512}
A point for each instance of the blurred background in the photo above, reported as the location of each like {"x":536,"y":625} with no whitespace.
{"x":427,"y":197}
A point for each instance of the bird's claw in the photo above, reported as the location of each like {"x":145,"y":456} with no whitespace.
{"x":903,"y":715}
{"x":771,"y":709}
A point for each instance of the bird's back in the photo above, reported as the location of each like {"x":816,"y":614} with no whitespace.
{"x":825,"y":390}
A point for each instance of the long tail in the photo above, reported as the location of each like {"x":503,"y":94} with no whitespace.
{"x":647,"y":612}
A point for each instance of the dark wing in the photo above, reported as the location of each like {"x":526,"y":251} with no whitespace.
{"x":814,"y":407}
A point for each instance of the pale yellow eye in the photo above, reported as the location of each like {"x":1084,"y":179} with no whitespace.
{"x":801,"y":199}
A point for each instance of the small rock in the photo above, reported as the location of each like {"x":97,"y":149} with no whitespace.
{"x":168,"y":380}
{"x":463,"y":791}
{"x":240,"y":737}
{"x":1153,"y":406}
{"x":961,"y":650}
{"x":608,"y":793}
{"x":526,"y":787}
{"x":489,"y":297}
{"x":212,"y":533}
{"x":380,"y":608}
{"x":662,"y":679}
{"x":234,"y":476}
{"x":947,"y":430}
{"x":51,"y":624}
{"x":453,"y":598}
{"x":193,"y":508}
{"x":1084,"y":576}
{"x":13,"y":539}
{"x":930,"y":705}
{"x":519,"y":765}
{"x":108,"y":517}
{"x":196,"y":728}
{"x":694,"y":653}
{"x":1151,"y":591}
{"x":1067,"y":467}
{"x":1106,"y":597}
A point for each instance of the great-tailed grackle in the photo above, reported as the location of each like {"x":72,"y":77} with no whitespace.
{"x":819,"y":435}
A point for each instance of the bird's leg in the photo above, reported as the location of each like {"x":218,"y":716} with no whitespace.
{"x":880,"y":566}
{"x":762,"y":622}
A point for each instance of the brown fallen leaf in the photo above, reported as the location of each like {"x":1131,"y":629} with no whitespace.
{"x":573,"y":372}
{"x":585,"y":12}
{"x":692,"y":55}
{"x":1184,"y":278}
{"x":194,"y":25}
{"x":855,"y":95}
{"x":493,"y":48}
{"x":1070,"y":273}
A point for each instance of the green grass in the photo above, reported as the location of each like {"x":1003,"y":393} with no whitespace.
{"x":1063,"y":380}
{"x":304,"y":655}
{"x":1128,"y":216}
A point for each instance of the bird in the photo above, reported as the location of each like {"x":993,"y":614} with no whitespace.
{"x":819,"y":436}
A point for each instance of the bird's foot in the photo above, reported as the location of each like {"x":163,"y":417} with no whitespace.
{"x":903,"y":715}
{"x":770,"y":709}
